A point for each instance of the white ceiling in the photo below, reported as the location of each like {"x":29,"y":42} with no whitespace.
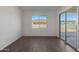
{"x":39,"y":7}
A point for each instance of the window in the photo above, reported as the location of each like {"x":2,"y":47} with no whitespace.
{"x":39,"y":21}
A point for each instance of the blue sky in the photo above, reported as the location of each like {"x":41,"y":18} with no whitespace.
{"x":70,"y":16}
{"x":39,"y":17}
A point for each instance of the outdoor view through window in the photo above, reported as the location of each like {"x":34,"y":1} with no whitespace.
{"x":69,"y":26}
{"x":39,"y":21}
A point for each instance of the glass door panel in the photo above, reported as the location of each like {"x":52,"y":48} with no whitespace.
{"x":62,"y":26}
{"x":71,"y":27}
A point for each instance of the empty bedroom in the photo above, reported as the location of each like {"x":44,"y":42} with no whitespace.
{"x":39,"y":28}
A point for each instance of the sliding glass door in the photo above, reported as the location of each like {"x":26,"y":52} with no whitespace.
{"x":71,"y":27}
{"x":62,"y":26}
{"x":68,"y":26}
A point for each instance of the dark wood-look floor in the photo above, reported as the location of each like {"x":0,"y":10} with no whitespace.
{"x":38,"y":44}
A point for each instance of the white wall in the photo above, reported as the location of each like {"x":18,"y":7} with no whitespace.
{"x":10,"y":25}
{"x":64,"y":8}
{"x":51,"y":29}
